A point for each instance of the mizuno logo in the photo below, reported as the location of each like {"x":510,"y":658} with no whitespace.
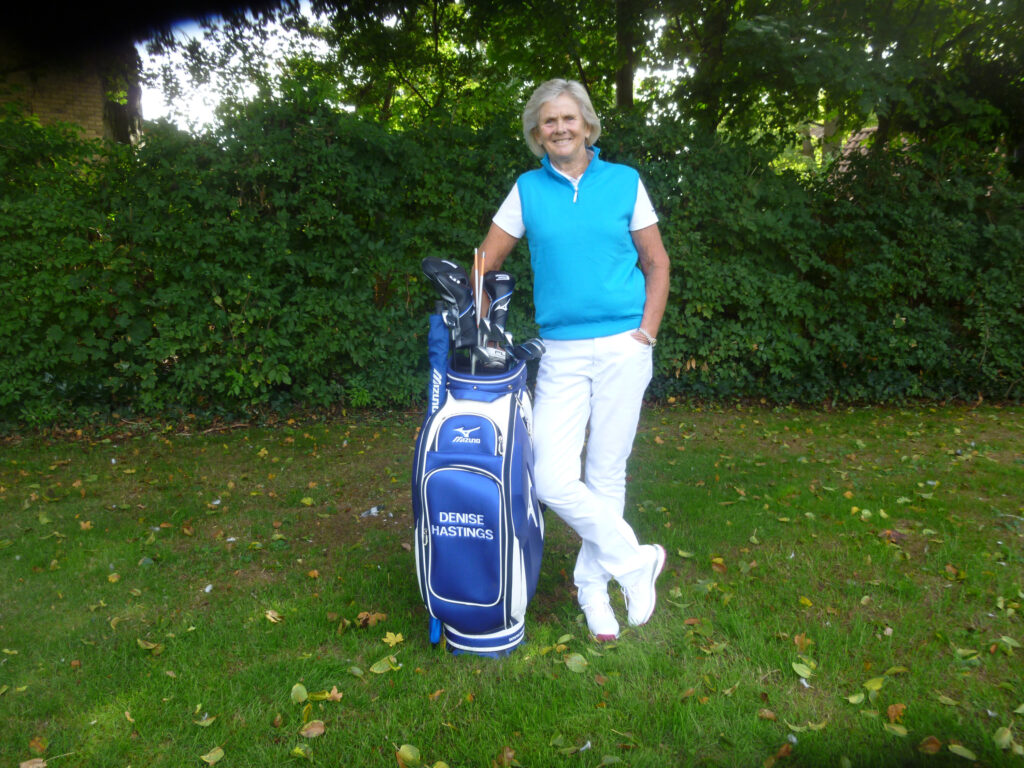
{"x":465,"y":435}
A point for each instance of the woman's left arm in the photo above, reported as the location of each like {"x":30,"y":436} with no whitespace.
{"x":654,"y":264}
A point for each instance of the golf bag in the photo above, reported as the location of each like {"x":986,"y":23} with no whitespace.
{"x":479,"y":529}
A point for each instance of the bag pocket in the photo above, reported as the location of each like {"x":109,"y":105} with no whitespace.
{"x":468,"y":433}
{"x":463,"y":537}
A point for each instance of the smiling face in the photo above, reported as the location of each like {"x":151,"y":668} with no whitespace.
{"x":562,"y":132}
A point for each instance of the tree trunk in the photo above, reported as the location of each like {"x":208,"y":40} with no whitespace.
{"x":625,"y":52}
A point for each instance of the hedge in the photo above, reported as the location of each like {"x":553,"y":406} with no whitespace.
{"x":274,"y":262}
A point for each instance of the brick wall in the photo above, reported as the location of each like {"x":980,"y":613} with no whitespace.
{"x":73,"y":87}
{"x":61,"y":93}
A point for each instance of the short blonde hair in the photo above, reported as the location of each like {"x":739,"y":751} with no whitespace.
{"x":550,"y":91}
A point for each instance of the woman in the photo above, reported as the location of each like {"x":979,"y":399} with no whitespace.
{"x":588,"y":223}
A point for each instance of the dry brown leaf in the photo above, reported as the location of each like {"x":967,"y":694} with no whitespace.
{"x":312,"y":729}
{"x":930,"y":745}
{"x":802,"y":642}
{"x":505,"y":758}
{"x":368,"y":619}
{"x":895,"y":712}
{"x":766,"y":714}
{"x":35,"y":762}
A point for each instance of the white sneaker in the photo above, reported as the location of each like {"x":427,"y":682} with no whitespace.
{"x":640,"y":594}
{"x":601,"y":620}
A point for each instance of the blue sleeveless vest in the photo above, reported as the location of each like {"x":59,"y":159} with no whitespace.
{"x":586,"y":281}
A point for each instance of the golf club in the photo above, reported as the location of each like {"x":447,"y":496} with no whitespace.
{"x":499,"y":287}
{"x":452,"y":282}
{"x":492,"y":359}
{"x":531,"y":349}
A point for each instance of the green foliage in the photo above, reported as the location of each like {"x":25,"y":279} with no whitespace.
{"x":275,"y":261}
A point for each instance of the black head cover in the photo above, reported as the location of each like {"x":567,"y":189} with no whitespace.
{"x":452,"y":283}
{"x":499,"y":287}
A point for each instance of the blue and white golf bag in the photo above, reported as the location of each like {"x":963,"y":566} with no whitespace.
{"x":479,"y":529}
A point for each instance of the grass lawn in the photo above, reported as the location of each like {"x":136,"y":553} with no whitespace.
{"x":843,"y":588}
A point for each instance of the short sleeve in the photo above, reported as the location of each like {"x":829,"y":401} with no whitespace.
{"x":643,"y":210}
{"x":510,"y":215}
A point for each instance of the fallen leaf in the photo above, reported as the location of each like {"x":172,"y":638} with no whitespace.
{"x":273,"y":616}
{"x":299,"y":693}
{"x":575,"y":662}
{"x":875,"y":683}
{"x":895,"y":712}
{"x":302,"y":750}
{"x":856,"y":698}
{"x":35,"y":762}
{"x":962,"y":751}
{"x":806,"y":602}
{"x":895,"y":728}
{"x":206,"y":722}
{"x":314,"y":574}
{"x":436,"y":694}
{"x":37,"y":745}
{"x":392,"y":639}
{"x":766,"y":714}
{"x":367,"y":619}
{"x":312,"y":729}
{"x":387,"y":664}
{"x":505,"y":759}
{"x":1003,"y":737}
{"x":802,"y":669}
{"x":408,"y":756}
{"x":929,"y":745}
{"x":802,"y":642}
{"x":333,"y":695}
{"x":213,"y":756}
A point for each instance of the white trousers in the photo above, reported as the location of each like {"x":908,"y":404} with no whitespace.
{"x":600,"y":382}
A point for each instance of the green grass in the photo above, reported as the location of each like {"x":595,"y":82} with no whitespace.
{"x":866,"y":544}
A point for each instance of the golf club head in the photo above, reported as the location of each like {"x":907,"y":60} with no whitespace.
{"x":499,"y":287}
{"x":492,"y":335}
{"x":531,"y":349}
{"x":491,"y":359}
{"x":452,"y":282}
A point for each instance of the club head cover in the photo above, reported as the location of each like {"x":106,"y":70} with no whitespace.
{"x":499,"y":287}
{"x":452,"y":283}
